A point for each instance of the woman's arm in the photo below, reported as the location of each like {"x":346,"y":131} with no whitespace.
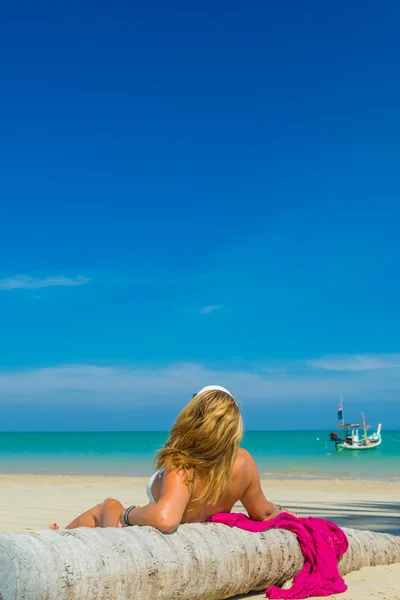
{"x":166,"y":514}
{"x":254,"y":500}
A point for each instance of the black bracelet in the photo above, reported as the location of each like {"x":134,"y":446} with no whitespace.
{"x":126,"y":516}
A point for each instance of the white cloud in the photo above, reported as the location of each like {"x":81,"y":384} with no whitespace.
{"x":206,"y":310}
{"x":25,"y":282}
{"x":262,"y":384}
{"x":357,"y":362}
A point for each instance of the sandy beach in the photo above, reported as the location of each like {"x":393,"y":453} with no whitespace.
{"x":33,"y":501}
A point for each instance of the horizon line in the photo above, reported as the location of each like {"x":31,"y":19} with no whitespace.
{"x":167,"y":430}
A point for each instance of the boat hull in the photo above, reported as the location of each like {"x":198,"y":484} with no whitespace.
{"x":374,"y":441}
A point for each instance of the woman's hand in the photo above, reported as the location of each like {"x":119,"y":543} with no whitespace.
{"x":289,"y":512}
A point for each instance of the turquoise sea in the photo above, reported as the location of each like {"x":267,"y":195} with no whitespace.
{"x":279,"y":454}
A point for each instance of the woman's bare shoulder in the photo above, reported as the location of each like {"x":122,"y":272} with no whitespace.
{"x":244,"y":455}
{"x":245,"y":461}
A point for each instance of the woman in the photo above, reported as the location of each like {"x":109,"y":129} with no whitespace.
{"x":201,"y":472}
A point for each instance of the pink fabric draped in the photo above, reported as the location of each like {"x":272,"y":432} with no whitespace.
{"x":321,"y":542}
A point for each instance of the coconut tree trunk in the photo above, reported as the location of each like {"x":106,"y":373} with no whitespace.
{"x":198,"y":562}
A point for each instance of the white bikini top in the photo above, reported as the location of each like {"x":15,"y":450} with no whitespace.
{"x":150,"y":483}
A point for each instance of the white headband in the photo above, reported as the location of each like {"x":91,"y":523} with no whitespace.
{"x":209,"y":388}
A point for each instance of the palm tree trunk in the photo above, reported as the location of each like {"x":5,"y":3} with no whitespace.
{"x":198,"y":562}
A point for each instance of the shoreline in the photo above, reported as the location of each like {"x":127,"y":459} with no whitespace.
{"x":265,"y":476}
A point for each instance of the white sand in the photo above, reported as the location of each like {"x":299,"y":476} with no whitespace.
{"x":35,"y":501}
{"x":371,"y":583}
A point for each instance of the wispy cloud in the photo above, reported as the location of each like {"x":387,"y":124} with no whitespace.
{"x":357,"y":362}
{"x":264,"y":383}
{"x":25,"y":282}
{"x":206,"y":310}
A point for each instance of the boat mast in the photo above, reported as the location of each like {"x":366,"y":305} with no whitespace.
{"x":364,"y":424}
{"x":341,"y":416}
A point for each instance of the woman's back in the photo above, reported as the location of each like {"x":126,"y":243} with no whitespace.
{"x":244,"y":482}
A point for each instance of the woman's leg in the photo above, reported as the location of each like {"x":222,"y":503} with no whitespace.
{"x":105,"y":514}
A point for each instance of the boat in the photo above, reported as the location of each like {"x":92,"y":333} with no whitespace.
{"x":352,"y":438}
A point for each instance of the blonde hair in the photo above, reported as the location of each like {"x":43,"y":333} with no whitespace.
{"x":205,"y":436}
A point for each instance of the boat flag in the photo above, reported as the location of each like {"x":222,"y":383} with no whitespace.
{"x":340,"y":411}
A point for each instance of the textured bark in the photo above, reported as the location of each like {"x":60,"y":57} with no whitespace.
{"x":198,"y":562}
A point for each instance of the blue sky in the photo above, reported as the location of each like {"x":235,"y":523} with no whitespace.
{"x":193,"y":194}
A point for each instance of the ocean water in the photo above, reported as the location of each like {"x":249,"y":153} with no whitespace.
{"x":279,"y":454}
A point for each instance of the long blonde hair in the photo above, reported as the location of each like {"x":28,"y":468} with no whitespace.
{"x":205,"y":437}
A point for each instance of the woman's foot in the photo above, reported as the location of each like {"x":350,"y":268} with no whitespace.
{"x":54,"y":527}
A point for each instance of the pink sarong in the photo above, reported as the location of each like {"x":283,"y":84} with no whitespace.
{"x":322,"y":544}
